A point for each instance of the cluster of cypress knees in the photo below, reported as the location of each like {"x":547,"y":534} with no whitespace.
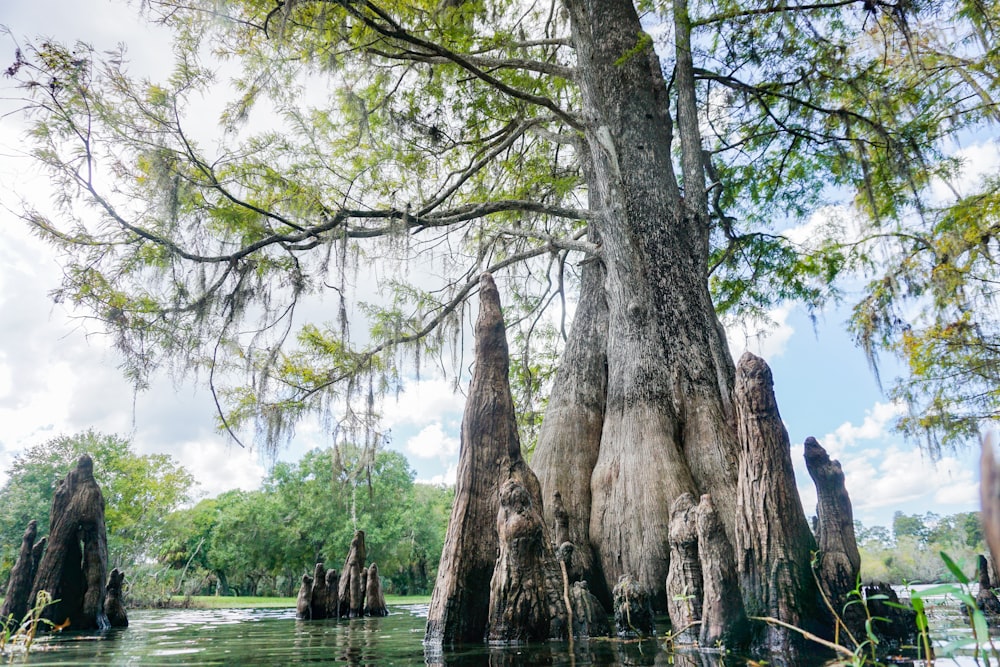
{"x":356,"y":592}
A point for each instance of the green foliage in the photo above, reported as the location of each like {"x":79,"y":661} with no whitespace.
{"x":441,"y":139}
{"x":139,"y":491}
{"x":911,"y":552}
{"x":260,"y":542}
{"x":20,"y":635}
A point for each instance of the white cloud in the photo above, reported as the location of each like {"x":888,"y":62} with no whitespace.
{"x":431,"y":442}
{"x":765,"y":338}
{"x":424,"y":402}
{"x":448,"y":478}
{"x":978,"y":160}
{"x":219,"y":467}
{"x":875,"y":425}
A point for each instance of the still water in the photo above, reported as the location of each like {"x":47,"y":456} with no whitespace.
{"x":275,"y":637}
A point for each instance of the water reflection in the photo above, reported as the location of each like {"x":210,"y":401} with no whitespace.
{"x":275,"y":637}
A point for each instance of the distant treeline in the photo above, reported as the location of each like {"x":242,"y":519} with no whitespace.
{"x":242,"y":542}
{"x":909,"y":551}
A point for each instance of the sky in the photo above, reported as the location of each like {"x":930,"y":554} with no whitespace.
{"x":59,"y":377}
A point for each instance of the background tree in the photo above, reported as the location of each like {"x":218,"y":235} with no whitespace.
{"x":139,"y":491}
{"x":260,"y":542}
{"x":665,"y":151}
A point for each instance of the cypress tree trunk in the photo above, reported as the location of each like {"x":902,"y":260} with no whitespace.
{"x":490,"y":453}
{"x":570,"y":437}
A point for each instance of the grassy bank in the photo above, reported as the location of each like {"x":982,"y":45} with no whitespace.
{"x":232,"y":602}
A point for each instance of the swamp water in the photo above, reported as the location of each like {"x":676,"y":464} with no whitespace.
{"x":275,"y":637}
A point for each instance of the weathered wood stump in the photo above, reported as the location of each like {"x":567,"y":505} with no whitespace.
{"x":589,"y":616}
{"x":374,"y":599}
{"x":519,"y":609}
{"x":986,"y":599}
{"x":317,"y":595}
{"x":989,"y":489}
{"x":15,"y":604}
{"x":773,"y":539}
{"x":684,"y":578}
{"x":839,"y":561}
{"x":74,"y":567}
{"x":351,"y":588}
{"x":332,"y":594}
{"x":633,"y":609}
{"x":560,"y":521}
{"x":114,"y":606}
{"x":894,"y":624}
{"x":723,"y":621}
{"x":490,"y":453}
{"x":303,"y":604}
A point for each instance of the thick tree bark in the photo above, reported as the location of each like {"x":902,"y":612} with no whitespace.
{"x":570,"y":437}
{"x":839,"y":560}
{"x":351,"y":589}
{"x":114,"y":606}
{"x":684,"y":577}
{"x":74,"y":568}
{"x":318,"y":595}
{"x":773,"y":540}
{"x":15,"y":603}
{"x":332,"y":594}
{"x":633,"y":609}
{"x":374,"y":599}
{"x":668,"y":420}
{"x":490,"y":453}
{"x":723,"y":621}
{"x":303,"y":603}
{"x":519,"y":607}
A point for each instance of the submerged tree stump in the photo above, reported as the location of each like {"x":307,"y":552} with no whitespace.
{"x":490,"y":453}
{"x":986,"y":599}
{"x":839,"y":559}
{"x":303,"y":604}
{"x":633,"y":609}
{"x":684,"y":577}
{"x":723,"y":621}
{"x":74,"y":567}
{"x":374,"y":599}
{"x":317,"y":595}
{"x":519,"y":609}
{"x":15,"y":604}
{"x":332,"y":594}
{"x":895,"y":625}
{"x":590,"y":619}
{"x":351,"y":589}
{"x":114,"y":606}
{"x":773,"y":539}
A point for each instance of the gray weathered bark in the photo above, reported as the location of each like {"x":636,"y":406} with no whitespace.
{"x":490,"y":453}
{"x":684,"y":578}
{"x":989,"y":489}
{"x":519,"y":608}
{"x":839,"y":561}
{"x":351,"y":590}
{"x":318,"y":595}
{"x":303,"y":603}
{"x":374,"y":599}
{"x":332,"y":594}
{"x":668,"y":419}
{"x":773,"y":540}
{"x":570,"y":437}
{"x":723,"y":621}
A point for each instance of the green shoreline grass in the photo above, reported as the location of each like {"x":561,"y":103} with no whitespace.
{"x":234,"y":602}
